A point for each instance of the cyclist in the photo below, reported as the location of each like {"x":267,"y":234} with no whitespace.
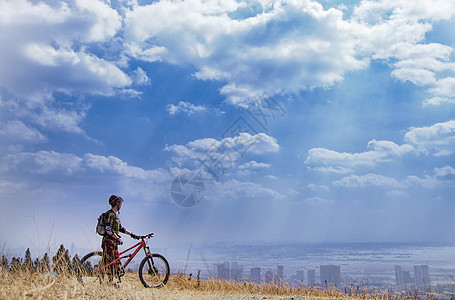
{"x":113,"y":227}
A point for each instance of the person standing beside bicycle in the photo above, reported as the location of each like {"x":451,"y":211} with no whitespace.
{"x":113,"y":227}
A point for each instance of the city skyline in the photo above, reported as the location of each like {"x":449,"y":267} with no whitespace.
{"x":269,"y":121}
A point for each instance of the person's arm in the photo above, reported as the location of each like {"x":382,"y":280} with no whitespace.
{"x":110,"y":221}
{"x":123,"y":230}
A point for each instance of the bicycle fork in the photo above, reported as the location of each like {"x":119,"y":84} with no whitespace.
{"x":152,"y":270}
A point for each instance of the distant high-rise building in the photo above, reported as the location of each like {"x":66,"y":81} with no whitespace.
{"x":399,"y":276}
{"x":223,"y":270}
{"x":421,"y":276}
{"x":236,"y":271}
{"x":330,"y":275}
{"x":256,"y":274}
{"x":300,"y":276}
{"x":426,"y":275}
{"x":311,"y":277}
{"x":229,"y":271}
{"x":280,"y":274}
{"x":268,"y":276}
{"x":407,"y":277}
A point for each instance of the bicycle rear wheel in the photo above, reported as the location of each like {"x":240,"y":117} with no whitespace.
{"x":92,"y":267}
{"x":154,"y":271}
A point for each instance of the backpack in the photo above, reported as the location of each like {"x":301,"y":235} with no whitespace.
{"x":100,"y":226}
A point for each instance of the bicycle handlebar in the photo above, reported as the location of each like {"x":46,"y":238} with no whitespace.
{"x":141,"y":237}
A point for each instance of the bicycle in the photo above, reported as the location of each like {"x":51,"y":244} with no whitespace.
{"x":153,"y":270}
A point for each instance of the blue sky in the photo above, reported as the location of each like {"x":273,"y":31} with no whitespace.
{"x":120,"y":97}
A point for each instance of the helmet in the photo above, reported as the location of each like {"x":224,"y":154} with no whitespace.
{"x":114,"y":199}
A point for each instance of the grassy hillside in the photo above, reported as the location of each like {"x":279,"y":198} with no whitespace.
{"x":24,"y":284}
{"x":54,"y":278}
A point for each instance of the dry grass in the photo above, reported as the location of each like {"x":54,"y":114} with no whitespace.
{"x":36,"y":285}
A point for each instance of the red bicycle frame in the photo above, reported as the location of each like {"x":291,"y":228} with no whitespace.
{"x":140,"y":245}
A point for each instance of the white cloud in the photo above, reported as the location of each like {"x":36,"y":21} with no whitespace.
{"x":184,"y":107}
{"x":253,"y":54}
{"x":446,"y":173}
{"x":335,"y":170}
{"x":428,"y":182}
{"x":47,"y":114}
{"x":444,"y":176}
{"x":368,"y":180}
{"x":293,"y":193}
{"x":106,"y":21}
{"x":17,"y":130}
{"x":140,"y":77}
{"x":254,"y":165}
{"x":39,"y":56}
{"x":443,"y":91}
{"x":445,"y":87}
{"x":42,"y":162}
{"x":116,"y":165}
{"x":414,"y":75}
{"x":149,"y":54}
{"x":66,"y":165}
{"x":317,"y":201}
{"x":224,"y":154}
{"x":325,"y":160}
{"x":317,"y":187}
{"x":440,"y":177}
{"x":395,"y":31}
{"x":437,"y":139}
{"x":436,"y":101}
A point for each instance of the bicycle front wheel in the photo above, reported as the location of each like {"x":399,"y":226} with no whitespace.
{"x":154,"y":271}
{"x":92,"y":267}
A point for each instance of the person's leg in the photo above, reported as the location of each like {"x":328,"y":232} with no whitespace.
{"x":110,"y":253}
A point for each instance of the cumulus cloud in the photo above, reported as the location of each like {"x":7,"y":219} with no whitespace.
{"x":48,"y":115}
{"x":437,"y":139}
{"x":42,"y":162}
{"x":116,"y":165}
{"x":140,"y":77}
{"x":335,"y":170}
{"x":38,"y":52}
{"x":17,"y":130}
{"x":253,"y":54}
{"x":184,"y":107}
{"x":105,"y":21}
{"x":67,"y":164}
{"x":354,"y":181}
{"x":317,"y":187}
{"x":439,"y":177}
{"x":436,"y":101}
{"x":273,"y":49}
{"x":443,"y":90}
{"x":224,"y":153}
{"x":254,"y":165}
{"x":325,"y":160}
{"x":395,"y":31}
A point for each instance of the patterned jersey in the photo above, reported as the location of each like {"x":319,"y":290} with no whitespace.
{"x":112,"y":225}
